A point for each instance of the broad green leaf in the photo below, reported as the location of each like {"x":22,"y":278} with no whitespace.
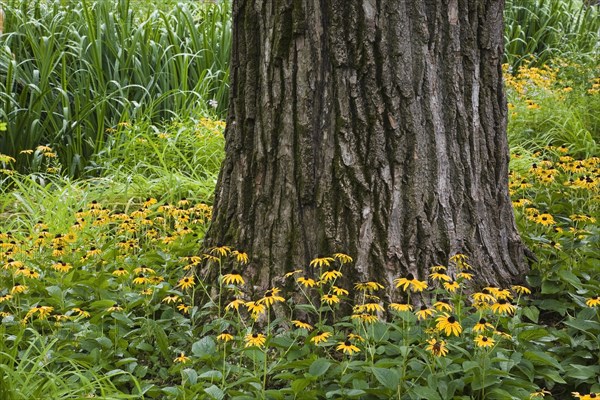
{"x":387,"y":377}
{"x":426,"y":393}
{"x":319,"y":367}
{"x":214,"y":392}
{"x":204,"y":347}
{"x":540,"y":358}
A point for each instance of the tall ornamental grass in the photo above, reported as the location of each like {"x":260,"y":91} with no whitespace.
{"x":547,"y":29}
{"x":71,"y":70}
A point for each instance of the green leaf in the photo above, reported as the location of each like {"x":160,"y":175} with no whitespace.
{"x":532,"y":313}
{"x":190,"y":375}
{"x":204,"y":347}
{"x":319,"y":367}
{"x":570,"y":277}
{"x":299,"y":385}
{"x":425,"y":392}
{"x":387,"y":377}
{"x":582,"y":372}
{"x":214,"y":392}
{"x":540,"y":358}
{"x":532,"y":334}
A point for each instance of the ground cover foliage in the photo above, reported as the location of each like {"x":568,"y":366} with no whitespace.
{"x":104,"y":290}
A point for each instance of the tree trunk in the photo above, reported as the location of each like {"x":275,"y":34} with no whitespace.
{"x":376,"y":128}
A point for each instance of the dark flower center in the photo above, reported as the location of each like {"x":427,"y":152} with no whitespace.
{"x":451,"y":319}
{"x":502,"y":301}
{"x":410,"y":277}
{"x":255,"y":335}
{"x":423,"y":307}
{"x":484,"y":339}
{"x":482,"y":321}
{"x":347,"y":343}
{"x":268,"y":293}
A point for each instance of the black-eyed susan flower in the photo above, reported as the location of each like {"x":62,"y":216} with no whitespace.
{"x":184,"y":308}
{"x":140,"y":279}
{"x":234,"y":278}
{"x":220,"y":251}
{"x":539,"y":393}
{"x":437,"y":347}
{"x":452,"y":286}
{"x":32,"y":274}
{"x":235,"y":304}
{"x":437,"y":268}
{"x":464,"y":276}
{"x":368,"y":286}
{"x":240,"y":256}
{"x":302,"y":325}
{"x":342,"y":258}
{"x":355,"y":336}
{"x":6,"y":297}
{"x":41,"y":311}
{"x":271,"y":296}
{"x":321,"y":336}
{"x":503,"y":306}
{"x":18,"y":288}
{"x":366,"y":318}
{"x":80,"y":312}
{"x":368,"y":307}
{"x":182,"y":358}
{"x":483,"y":297}
{"x":482,"y":325}
{"x":544,"y":219}
{"x":225,"y":336}
{"x":120,"y":272}
{"x":593,"y":301}
{"x":443,"y":305}
{"x":410,"y":282}
{"x":438,"y":276}
{"x":306,"y":282}
{"x":448,"y":324}
{"x":330,"y":275}
{"x":484,"y":341}
{"x":186,"y":282}
{"x":292,"y":273}
{"x":400,"y":307}
{"x":144,"y":270}
{"x":424,"y":312}
{"x":330,"y":299}
{"x":255,"y":339}
{"x":114,"y":307}
{"x":172,"y":298}
{"x":255,"y":308}
{"x":589,"y":396}
{"x":522,"y":290}
{"x":347,"y":347}
{"x":321,"y":262}
{"x":339,"y":291}
{"x":62,"y":266}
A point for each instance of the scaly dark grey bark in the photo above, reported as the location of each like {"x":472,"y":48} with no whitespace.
{"x":375,"y":128}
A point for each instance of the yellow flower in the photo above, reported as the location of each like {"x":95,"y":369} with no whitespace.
{"x":255,"y":339}
{"x":114,"y":307}
{"x":271,"y":296}
{"x":225,"y":336}
{"x":368,"y":286}
{"x":184,"y":309}
{"x":410,"y":281}
{"x":464,"y":275}
{"x":499,"y":293}
{"x":321,"y":262}
{"x":437,"y":348}
{"x":240,"y":257}
{"x":437,"y":276}
{"x":18,"y":288}
{"x":181,"y":358}
{"x":120,"y":271}
{"x":6,"y":297}
{"x":330,"y":299}
{"x":339,"y":291}
{"x":302,"y":325}
{"x":292,"y":273}
{"x":539,"y":393}
{"x":220,"y":251}
{"x":306,"y":282}
{"x":443,"y":305}
{"x":32,"y":274}
{"x":81,"y":313}
{"x":400,"y":307}
{"x":233,"y":278}
{"x":521,"y":289}
{"x":172,"y":298}
{"x":354,"y":336}
{"x":448,"y":324}
{"x":593,"y":301}
{"x":42,"y":311}
{"x":234,"y":304}
{"x":369,"y":307}
{"x":143,"y":270}
{"x":503,"y":306}
{"x":347,"y":347}
{"x":437,"y":268}
{"x":367,"y":318}
{"x":342,"y":258}
{"x":140,"y":280}
{"x":482,"y":325}
{"x":330,"y":275}
{"x":484,"y":341}
{"x":451,"y":287}
{"x":483,"y":297}
{"x":424,"y":313}
{"x":590,"y":396}
{"x":62,"y":266}
{"x":255,"y":308}
{"x":186,"y":282}
{"x":320,"y":337}
{"x":545,"y":219}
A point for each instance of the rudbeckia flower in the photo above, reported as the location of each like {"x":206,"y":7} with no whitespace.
{"x":448,"y":324}
{"x":186,"y":282}
{"x":410,"y":282}
{"x":225,"y":336}
{"x":593,"y":301}
{"x":270,"y":297}
{"x":347,"y":347}
{"x":343,"y":258}
{"x":330,"y":275}
{"x":321,"y":262}
{"x":400,"y":307}
{"x":503,"y":306}
{"x":302,"y":325}
{"x":437,"y":348}
{"x":484,"y":341}
{"x":482,"y":325}
{"x":330,"y":299}
{"x":320,"y":337}
{"x":424,"y":312}
{"x":181,"y":358}
{"x":306,"y":282}
{"x":233,"y":278}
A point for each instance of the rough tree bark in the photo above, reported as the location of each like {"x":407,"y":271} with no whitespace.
{"x":375,"y":128}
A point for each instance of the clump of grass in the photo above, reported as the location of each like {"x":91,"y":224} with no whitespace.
{"x":71,"y":70}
